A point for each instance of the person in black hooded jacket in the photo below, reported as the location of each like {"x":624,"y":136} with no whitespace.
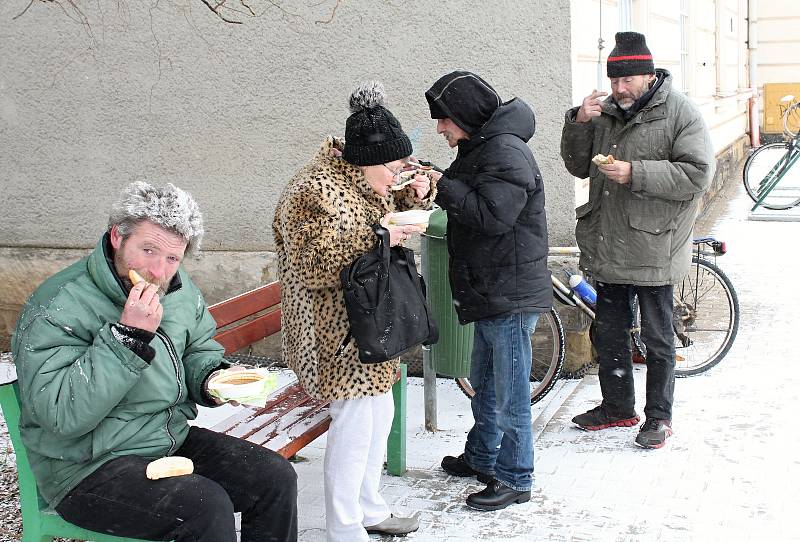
{"x":493,"y":194}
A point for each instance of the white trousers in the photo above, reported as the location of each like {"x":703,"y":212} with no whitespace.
{"x":353,"y":463}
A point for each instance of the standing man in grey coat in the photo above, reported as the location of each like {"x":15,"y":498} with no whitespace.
{"x":635,"y":232}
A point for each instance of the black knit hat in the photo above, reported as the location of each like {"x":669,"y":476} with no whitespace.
{"x":630,"y":56}
{"x":464,"y":98}
{"x":372,"y":134}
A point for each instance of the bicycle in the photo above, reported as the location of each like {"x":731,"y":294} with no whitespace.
{"x":705,"y":321}
{"x":772,"y":166}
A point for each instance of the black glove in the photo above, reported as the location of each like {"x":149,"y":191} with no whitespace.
{"x":137,"y":340}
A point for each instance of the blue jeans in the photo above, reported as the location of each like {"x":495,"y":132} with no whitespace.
{"x":501,"y":441}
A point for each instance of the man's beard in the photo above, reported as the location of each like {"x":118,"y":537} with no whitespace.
{"x":625,"y":103}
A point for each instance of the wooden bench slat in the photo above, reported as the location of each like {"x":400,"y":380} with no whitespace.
{"x":246,"y":334}
{"x":264,"y":417}
{"x":296,"y":421}
{"x":289,"y":445}
{"x":282,"y":401}
{"x":277,"y":397}
{"x":246,"y":304}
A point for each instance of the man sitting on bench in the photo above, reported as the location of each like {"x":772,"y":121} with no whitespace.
{"x":110,"y":373}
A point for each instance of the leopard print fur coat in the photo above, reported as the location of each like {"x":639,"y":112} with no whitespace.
{"x":322,"y":223}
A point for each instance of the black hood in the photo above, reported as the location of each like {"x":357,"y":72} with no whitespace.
{"x":465,"y":98}
{"x":514,"y":118}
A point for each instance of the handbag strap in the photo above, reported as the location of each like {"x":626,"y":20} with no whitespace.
{"x":344,"y":344}
{"x":384,"y":243}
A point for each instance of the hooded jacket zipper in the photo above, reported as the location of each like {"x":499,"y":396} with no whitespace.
{"x":174,"y":358}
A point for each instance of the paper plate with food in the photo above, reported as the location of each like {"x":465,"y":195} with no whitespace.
{"x":245,"y":386}
{"x":417,"y":217}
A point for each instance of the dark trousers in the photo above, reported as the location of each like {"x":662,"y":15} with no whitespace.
{"x":613,"y":323}
{"x":229,"y":475}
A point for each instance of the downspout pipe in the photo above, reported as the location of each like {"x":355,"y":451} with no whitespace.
{"x":600,"y":48}
{"x":752,"y":57}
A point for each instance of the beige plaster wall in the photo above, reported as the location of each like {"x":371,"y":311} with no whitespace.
{"x":167,"y":92}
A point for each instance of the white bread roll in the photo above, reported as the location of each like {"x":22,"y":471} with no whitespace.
{"x":603,"y":159}
{"x":166,"y":467}
{"x":135,"y":277}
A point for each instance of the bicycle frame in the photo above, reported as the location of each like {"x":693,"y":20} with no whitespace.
{"x":561,"y":291}
{"x":771,"y":180}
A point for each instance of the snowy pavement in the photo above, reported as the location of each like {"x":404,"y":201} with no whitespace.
{"x":731,"y":472}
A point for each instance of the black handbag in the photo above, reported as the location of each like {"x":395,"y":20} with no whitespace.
{"x":385,"y":299}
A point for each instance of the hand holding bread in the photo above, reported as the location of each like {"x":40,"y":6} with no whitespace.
{"x":602,"y":159}
{"x":135,"y":277}
{"x":618,"y":171}
{"x":143,"y":307}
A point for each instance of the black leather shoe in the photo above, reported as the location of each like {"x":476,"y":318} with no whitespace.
{"x":497,"y":496}
{"x":456,"y":466}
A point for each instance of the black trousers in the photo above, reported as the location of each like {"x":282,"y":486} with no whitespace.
{"x":229,"y":475}
{"x":613,"y":323}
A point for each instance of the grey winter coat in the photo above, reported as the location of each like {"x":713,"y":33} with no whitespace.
{"x":640,"y":233}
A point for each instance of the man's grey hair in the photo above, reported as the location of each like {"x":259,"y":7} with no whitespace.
{"x":169,"y":207}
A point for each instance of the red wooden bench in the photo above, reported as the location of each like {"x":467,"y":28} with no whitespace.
{"x":291,"y":418}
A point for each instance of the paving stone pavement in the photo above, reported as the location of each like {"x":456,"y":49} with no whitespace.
{"x":731,"y":472}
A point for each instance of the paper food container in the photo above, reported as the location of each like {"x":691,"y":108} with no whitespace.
{"x":414,"y":216}
{"x":233,"y":384}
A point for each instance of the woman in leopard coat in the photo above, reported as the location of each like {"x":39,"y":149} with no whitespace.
{"x":323,"y":221}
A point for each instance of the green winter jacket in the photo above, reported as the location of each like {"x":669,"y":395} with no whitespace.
{"x":85,"y":397}
{"x":641,"y":233}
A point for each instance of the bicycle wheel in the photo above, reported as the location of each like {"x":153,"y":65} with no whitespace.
{"x":705,"y":318}
{"x":547,"y":342}
{"x":758,"y":170}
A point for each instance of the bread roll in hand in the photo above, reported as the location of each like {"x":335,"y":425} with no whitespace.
{"x":135,"y":277}
{"x":601,"y":159}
